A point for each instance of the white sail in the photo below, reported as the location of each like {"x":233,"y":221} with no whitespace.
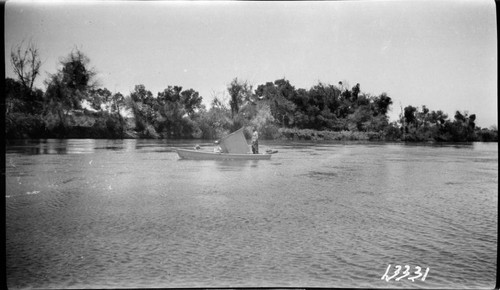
{"x":234,"y":143}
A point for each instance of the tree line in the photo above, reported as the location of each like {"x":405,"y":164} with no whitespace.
{"x":74,"y":105}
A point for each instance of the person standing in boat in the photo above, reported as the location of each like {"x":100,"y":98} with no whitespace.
{"x":255,"y":141}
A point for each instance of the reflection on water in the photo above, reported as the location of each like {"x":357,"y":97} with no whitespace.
{"x":82,"y":146}
{"x":130,"y":213}
{"x":221,"y":165}
{"x":51,"y":146}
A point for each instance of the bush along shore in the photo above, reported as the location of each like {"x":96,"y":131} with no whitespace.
{"x":313,"y":135}
{"x":74,"y":106}
{"x":103,"y":126}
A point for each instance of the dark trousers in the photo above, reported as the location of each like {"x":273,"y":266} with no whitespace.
{"x":255,"y":147}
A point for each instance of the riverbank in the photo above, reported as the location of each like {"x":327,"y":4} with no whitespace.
{"x":85,"y":125}
{"x":315,"y":135}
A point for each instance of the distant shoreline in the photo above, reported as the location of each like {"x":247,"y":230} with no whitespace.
{"x":282,"y":134}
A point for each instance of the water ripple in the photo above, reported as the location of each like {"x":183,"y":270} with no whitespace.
{"x":132,"y":215}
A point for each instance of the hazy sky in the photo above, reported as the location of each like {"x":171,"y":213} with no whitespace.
{"x":442,"y":54}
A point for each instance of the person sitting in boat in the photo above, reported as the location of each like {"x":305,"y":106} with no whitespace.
{"x":217,"y":148}
{"x":255,"y":141}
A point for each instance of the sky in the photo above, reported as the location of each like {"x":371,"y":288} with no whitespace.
{"x":441,"y":54}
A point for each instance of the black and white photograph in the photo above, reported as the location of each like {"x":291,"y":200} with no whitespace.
{"x":251,"y":144}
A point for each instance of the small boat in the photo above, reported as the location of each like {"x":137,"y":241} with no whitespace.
{"x":233,"y":146}
{"x":207,"y":155}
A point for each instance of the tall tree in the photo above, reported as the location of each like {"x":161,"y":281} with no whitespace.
{"x":409,"y":114}
{"x":70,"y":84}
{"x":382,"y":104}
{"x":239,"y":92}
{"x":26,"y":64}
{"x":25,"y":61}
{"x":117,"y":102}
{"x":143,"y":106}
{"x":326,"y":99}
{"x":280,"y":96}
{"x":191,"y":100}
{"x":177,"y":111}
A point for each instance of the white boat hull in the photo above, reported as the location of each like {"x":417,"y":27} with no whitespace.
{"x":205,"y":155}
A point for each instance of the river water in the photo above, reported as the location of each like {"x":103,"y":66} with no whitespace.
{"x":129,"y":213}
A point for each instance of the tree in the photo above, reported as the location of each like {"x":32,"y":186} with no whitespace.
{"x":176,"y":111}
{"x":279,"y":95}
{"x":301,"y":101}
{"x":191,"y":100}
{"x":217,"y":121}
{"x":140,"y":94}
{"x":355,"y":91}
{"x":118,"y":102}
{"x":360,"y":119}
{"x":238,"y":92}
{"x":26,"y":64}
{"x":437,"y":117}
{"x":382,"y":104}
{"x":70,"y":84}
{"x":323,"y":100}
{"x":346,"y":105}
{"x":13,"y":89}
{"x":462,"y":128}
{"x":409,"y":114}
{"x":171,"y":111}
{"x":19,"y":100}
{"x":20,"y":95}
{"x":98,"y":97}
{"x":142,"y":104}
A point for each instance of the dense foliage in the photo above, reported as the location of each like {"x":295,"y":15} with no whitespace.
{"x":74,"y":106}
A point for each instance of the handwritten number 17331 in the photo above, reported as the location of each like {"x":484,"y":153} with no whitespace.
{"x":405,"y":273}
